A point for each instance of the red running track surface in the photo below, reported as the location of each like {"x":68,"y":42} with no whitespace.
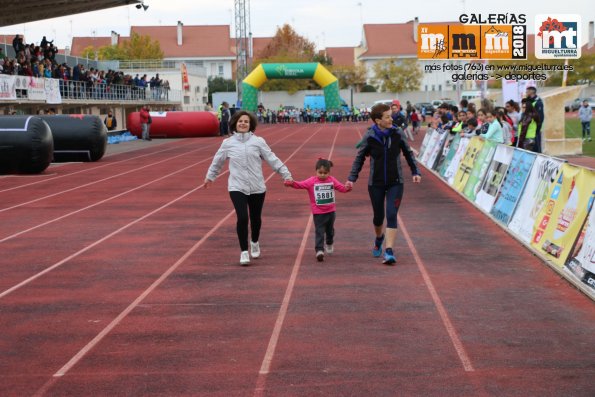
{"x":121,"y":278}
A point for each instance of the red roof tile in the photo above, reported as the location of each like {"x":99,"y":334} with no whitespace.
{"x":585,"y":50}
{"x":392,"y":40}
{"x":197,"y":41}
{"x":341,"y":56}
{"x":389,"y":40}
{"x":80,"y":43}
{"x":258,"y":44}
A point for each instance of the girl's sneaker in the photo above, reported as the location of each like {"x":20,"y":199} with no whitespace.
{"x":244,"y":258}
{"x":329,"y":248}
{"x":320,"y":256}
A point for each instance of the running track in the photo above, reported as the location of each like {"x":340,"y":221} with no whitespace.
{"x":120,"y":278}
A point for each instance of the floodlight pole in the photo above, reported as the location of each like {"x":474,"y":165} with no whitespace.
{"x":243,"y":42}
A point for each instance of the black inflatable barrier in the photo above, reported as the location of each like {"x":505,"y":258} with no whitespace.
{"x":77,"y":137}
{"x":26,"y":145}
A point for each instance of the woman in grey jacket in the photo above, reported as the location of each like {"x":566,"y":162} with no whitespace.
{"x":246,"y":184}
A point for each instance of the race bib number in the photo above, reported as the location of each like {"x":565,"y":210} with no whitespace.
{"x":324,"y":193}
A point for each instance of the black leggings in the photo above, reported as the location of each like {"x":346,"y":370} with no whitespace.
{"x":247,"y":206}
{"x":393,"y":195}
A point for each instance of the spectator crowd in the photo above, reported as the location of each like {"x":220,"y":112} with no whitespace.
{"x":77,"y":81}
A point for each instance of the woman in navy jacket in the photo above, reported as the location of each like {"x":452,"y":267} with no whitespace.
{"x":383,"y":143}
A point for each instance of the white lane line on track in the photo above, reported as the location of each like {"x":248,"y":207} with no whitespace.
{"x":450,"y":329}
{"x":99,"y":202}
{"x":112,"y":197}
{"x":83,"y":250}
{"x":77,"y":357}
{"x":91,"y":169}
{"x":272,"y":346}
{"x":98,"y":181}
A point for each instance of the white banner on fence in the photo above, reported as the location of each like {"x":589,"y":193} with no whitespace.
{"x":424,"y":144}
{"x":433,"y":140}
{"x":543,"y":174}
{"x":495,"y":176}
{"x":7,"y":87}
{"x":453,"y":167}
{"x":52,"y":91}
{"x":440,"y":137}
{"x":36,"y":89}
{"x":586,"y":256}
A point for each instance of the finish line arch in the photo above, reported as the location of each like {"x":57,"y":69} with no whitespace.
{"x":313,"y":70}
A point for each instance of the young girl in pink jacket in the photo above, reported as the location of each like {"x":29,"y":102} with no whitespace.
{"x":321,"y":189}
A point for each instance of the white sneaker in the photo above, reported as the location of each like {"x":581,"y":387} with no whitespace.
{"x":255,"y":249}
{"x":320,"y":256}
{"x":244,"y":258}
{"x":329,"y":248}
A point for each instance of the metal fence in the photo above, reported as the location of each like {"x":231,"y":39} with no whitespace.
{"x":80,"y":90}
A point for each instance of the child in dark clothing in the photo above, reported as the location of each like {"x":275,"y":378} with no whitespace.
{"x":321,"y":189}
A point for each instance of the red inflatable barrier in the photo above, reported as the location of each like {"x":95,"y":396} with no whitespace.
{"x":176,"y":124}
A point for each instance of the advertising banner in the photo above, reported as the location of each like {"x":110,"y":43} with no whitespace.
{"x":543,"y":174}
{"x":582,"y":262}
{"x":7,"y":87}
{"x":52,"y":91}
{"x":562,"y":217}
{"x":436,"y":149}
{"x":494,"y":177}
{"x":452,"y":169}
{"x":185,"y":79}
{"x":484,"y":158}
{"x":424,"y":144}
{"x":450,"y":151}
{"x":36,"y":89}
{"x":513,"y":185}
{"x":466,"y":166}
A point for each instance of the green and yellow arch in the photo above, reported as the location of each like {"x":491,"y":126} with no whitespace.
{"x":266,"y":71}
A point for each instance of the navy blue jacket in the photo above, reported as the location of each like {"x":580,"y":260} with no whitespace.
{"x":385,"y":158}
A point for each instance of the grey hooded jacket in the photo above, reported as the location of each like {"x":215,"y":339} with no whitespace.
{"x":245,"y":152}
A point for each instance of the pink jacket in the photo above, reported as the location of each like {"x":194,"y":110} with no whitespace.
{"x":321,"y":192}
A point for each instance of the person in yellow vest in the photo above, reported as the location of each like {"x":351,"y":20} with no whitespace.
{"x":219,"y":112}
{"x":528,"y":125}
{"x":110,"y":121}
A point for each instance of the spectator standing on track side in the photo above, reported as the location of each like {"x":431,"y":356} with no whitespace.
{"x":495,"y":132}
{"x":246,"y":184}
{"x":110,"y":121}
{"x":585,"y":114}
{"x":321,"y":190}
{"x":145,"y":122}
{"x":527,"y":126}
{"x":383,"y":143}
{"x":224,"y":122}
{"x":537,"y":104}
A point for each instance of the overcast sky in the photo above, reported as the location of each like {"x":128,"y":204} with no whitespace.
{"x":328,"y":23}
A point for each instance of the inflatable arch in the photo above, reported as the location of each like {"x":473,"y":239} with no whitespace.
{"x":314,"y":70}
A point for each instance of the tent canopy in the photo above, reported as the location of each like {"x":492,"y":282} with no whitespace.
{"x":14,"y":13}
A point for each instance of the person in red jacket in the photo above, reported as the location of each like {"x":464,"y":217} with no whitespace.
{"x":145,"y":122}
{"x":321,"y":189}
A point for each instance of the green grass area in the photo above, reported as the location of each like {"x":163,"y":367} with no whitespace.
{"x":574,"y":130}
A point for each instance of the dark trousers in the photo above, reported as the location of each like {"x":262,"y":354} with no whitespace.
{"x":248,"y":208}
{"x":324,"y":225}
{"x":537,"y":147}
{"x":393,"y":196}
{"x":586,"y":129}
